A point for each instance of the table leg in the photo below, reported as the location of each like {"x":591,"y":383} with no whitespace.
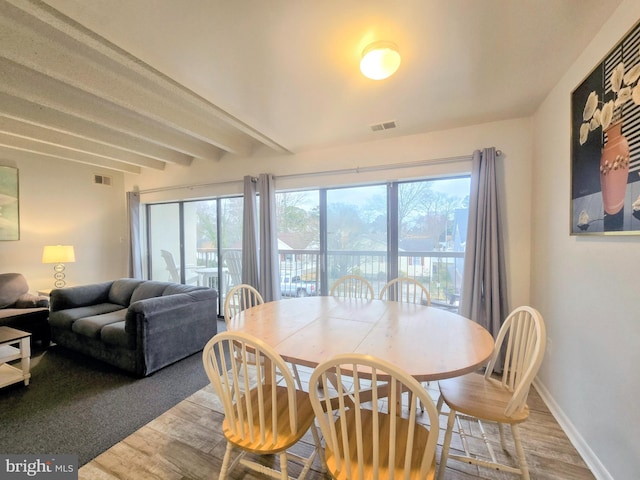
{"x":25,"y":361}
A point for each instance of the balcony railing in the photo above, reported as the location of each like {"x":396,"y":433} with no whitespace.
{"x":440,"y":272}
{"x":301,"y":274}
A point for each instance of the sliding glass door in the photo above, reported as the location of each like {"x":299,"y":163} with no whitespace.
{"x":413,"y":229}
{"x":196,"y":243}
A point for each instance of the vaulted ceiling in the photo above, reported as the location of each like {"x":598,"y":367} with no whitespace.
{"x":134,"y":85}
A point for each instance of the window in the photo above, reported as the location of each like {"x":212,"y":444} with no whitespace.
{"x":414,"y":228}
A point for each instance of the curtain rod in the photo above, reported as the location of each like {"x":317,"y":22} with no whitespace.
{"x":373,"y":168}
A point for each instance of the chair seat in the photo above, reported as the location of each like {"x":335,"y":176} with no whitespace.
{"x":417,"y":448}
{"x":476,"y":396}
{"x":284,"y":437}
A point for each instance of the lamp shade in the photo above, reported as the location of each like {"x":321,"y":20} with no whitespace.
{"x":58,"y":254}
{"x":380,"y":60}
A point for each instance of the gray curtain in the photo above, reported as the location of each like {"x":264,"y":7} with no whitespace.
{"x":484,"y":287}
{"x":250,"y":272}
{"x":269,"y":264}
{"x":135,"y":253}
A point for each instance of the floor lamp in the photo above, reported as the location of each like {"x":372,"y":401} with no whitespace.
{"x":58,"y":254}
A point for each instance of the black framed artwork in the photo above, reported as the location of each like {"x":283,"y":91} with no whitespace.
{"x":605,"y":144}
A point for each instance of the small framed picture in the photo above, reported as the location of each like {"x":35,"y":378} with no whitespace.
{"x":9,"y":204}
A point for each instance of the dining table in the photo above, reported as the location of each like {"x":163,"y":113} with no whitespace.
{"x":427,"y":342}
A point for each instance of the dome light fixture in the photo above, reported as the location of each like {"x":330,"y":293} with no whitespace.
{"x":380,"y":60}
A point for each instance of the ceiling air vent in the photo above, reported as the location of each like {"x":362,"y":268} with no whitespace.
{"x":383,"y":126}
{"x":101,"y":180}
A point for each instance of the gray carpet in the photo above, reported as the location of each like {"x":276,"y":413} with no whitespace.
{"x":77,"y":405}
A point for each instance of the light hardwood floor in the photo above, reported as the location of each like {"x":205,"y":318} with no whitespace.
{"x":186,"y":443}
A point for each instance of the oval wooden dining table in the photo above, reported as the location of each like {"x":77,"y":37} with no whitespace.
{"x":427,"y":342}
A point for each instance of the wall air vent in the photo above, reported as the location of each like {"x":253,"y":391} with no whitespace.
{"x":101,"y":180}
{"x":383,"y":126}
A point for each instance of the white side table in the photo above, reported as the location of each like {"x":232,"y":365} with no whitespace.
{"x":45,"y":292}
{"x":14,"y":345}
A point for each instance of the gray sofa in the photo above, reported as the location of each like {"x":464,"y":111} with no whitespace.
{"x":23,"y":310}
{"x":139,"y":326}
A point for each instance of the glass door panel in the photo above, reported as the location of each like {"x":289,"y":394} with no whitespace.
{"x":164,"y":242}
{"x":298,"y":219}
{"x":230,"y":242}
{"x":200,"y":242}
{"x":432,"y":228}
{"x":357,"y":234}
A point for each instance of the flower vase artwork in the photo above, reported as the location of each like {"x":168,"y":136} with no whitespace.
{"x":615,"y":157}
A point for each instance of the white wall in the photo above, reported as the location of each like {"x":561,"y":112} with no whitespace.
{"x":587,"y":290}
{"x":60,"y":204}
{"x":513,"y":137}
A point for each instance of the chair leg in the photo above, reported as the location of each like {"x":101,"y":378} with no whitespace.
{"x":284,"y":475}
{"x":225,"y":462}
{"x":522,"y":460}
{"x":446,"y":444}
{"x":318,"y":442}
{"x":296,"y":375}
{"x":426,"y":386}
{"x":503,"y":440}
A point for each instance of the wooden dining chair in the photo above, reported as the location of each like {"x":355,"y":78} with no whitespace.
{"x":352,"y":286}
{"x":260,"y":416}
{"x":240,"y":298}
{"x":405,"y":290}
{"x":367,"y":433}
{"x":244,"y":296}
{"x":483,"y":398}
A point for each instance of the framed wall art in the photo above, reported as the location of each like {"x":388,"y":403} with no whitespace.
{"x":605,"y":144}
{"x":9,"y":204}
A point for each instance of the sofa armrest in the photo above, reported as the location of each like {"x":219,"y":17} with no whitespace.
{"x":28,"y":300}
{"x":80,"y":296}
{"x":157,"y":314}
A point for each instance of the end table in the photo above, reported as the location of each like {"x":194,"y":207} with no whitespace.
{"x":14,"y":345}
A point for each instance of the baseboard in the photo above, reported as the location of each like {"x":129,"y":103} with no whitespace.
{"x":593,"y":462}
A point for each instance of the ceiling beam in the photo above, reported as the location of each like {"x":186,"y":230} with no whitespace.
{"x":54,"y":151}
{"x":65,"y":140}
{"x":106,"y":79}
{"x":35,"y":87}
{"x":35,"y":114}
{"x":112,"y":73}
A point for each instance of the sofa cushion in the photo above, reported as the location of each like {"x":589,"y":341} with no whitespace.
{"x":65,"y":318}
{"x":12,"y":286}
{"x":114,"y":334}
{"x":148,"y":289}
{"x":79,"y":296}
{"x":122,"y":289}
{"x":91,"y":326}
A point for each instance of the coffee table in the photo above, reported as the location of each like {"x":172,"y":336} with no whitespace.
{"x":14,"y":345}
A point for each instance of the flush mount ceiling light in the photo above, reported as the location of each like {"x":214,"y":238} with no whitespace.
{"x":380,"y":60}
